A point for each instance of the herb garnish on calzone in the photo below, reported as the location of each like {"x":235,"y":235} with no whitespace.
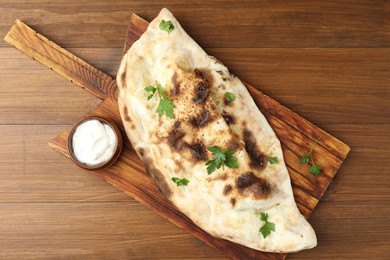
{"x":251,"y":204}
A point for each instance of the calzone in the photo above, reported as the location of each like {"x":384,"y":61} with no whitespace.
{"x":206,"y":108}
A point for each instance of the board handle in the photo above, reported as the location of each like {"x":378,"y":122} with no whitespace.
{"x":41,"y":49}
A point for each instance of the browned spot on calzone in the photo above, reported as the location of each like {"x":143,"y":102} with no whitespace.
{"x":201,"y":93}
{"x":258,"y":159}
{"x":175,"y":137}
{"x":227,"y":189}
{"x":158,"y":178}
{"x":205,"y":75}
{"x":176,"y":85}
{"x":229,"y":119}
{"x":222,"y":177}
{"x":215,"y":60}
{"x":123,"y":76}
{"x":178,"y":164}
{"x":233,"y":144}
{"x":198,"y":151}
{"x":202,"y":120}
{"x":233,"y":201}
{"x":126,"y":114}
{"x":224,"y":78}
{"x":249,"y":183}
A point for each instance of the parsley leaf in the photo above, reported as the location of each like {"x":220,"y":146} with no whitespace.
{"x":166,"y":26}
{"x":304,"y":159}
{"x":150,"y":89}
{"x":214,"y":149}
{"x":211,"y":166}
{"x":273,"y":160}
{"x":180,"y":182}
{"x":165,"y":106}
{"x":231,"y":161}
{"x":315,"y":169}
{"x":221,"y":158}
{"x":229,"y":96}
{"x":266,"y":229}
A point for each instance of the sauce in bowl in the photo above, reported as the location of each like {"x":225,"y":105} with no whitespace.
{"x":93,"y":143}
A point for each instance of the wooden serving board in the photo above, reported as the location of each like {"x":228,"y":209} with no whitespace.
{"x":128,"y":174}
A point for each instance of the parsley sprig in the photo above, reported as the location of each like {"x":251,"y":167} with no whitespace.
{"x":166,"y":26}
{"x":314,"y":169}
{"x":180,"y":182}
{"x":266,"y":229}
{"x":165,"y":106}
{"x":221,"y":158}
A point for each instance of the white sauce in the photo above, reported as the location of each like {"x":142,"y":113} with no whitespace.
{"x":94,"y":142}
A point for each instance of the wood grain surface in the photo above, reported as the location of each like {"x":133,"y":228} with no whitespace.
{"x":127,"y":174}
{"x":52,"y":209}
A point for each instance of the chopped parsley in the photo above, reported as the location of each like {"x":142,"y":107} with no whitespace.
{"x":166,"y":26}
{"x":273,"y":160}
{"x":266,"y":229}
{"x":165,"y":106}
{"x":180,"y":182}
{"x":230,"y":97}
{"x":221,"y":158}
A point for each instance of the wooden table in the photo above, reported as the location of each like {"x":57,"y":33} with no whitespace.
{"x":327,"y":61}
